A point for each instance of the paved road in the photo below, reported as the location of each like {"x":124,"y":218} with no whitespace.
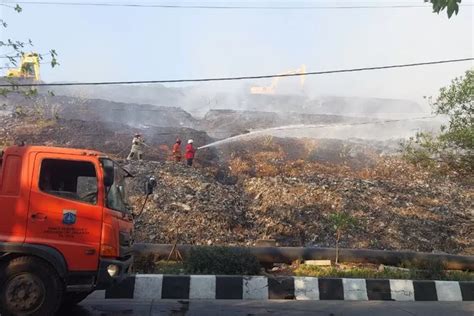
{"x":248,"y":308}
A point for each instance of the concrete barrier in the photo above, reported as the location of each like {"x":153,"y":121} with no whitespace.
{"x":196,"y":287}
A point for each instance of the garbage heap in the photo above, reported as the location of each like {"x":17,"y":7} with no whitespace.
{"x":394,"y":207}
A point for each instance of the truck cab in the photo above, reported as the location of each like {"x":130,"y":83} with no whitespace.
{"x":65,"y":228}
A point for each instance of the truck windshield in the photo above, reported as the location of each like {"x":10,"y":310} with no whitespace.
{"x":116,"y":194}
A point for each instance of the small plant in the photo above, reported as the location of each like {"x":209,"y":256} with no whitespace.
{"x":221,"y":260}
{"x":341,"y":222}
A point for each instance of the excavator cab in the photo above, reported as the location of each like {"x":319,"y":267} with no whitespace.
{"x":29,"y":68}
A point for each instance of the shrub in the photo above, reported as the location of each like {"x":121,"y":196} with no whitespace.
{"x":454,"y":146}
{"x":221,"y":260}
{"x":145,"y":264}
{"x":426,"y":269}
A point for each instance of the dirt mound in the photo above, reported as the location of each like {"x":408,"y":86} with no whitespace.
{"x":78,"y":108}
{"x":112,"y":138}
{"x":409,"y":211}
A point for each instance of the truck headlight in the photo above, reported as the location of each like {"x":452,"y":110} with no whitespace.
{"x":113,"y":270}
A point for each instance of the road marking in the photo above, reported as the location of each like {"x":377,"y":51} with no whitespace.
{"x":306,"y":288}
{"x":355,"y":289}
{"x":148,"y":286}
{"x":255,"y":288}
{"x":448,"y":291}
{"x":202,"y":287}
{"x":402,"y":290}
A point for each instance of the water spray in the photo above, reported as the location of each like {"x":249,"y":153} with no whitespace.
{"x":302,"y":126}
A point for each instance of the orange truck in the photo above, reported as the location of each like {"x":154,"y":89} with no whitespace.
{"x":65,"y":227}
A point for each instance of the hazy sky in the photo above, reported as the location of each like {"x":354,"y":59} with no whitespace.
{"x":103,"y":43}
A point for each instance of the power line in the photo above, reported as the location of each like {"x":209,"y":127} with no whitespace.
{"x":7,"y":5}
{"x":226,"y":7}
{"x":103,"y":83}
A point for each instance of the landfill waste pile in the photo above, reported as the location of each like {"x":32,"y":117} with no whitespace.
{"x":279,"y":188}
{"x":189,"y":205}
{"x":395,"y":206}
{"x":112,"y":138}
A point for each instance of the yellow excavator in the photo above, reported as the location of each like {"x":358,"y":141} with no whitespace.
{"x":272,"y":88}
{"x":29,"y":68}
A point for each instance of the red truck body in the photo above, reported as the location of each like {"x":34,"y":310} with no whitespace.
{"x":67,"y":208}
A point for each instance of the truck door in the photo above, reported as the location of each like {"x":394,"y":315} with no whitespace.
{"x":14,"y":193}
{"x":65,"y":210}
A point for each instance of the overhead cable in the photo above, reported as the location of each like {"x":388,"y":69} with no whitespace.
{"x":103,"y":83}
{"x":225,"y":7}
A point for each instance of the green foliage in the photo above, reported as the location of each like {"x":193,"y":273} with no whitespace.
{"x":221,"y":260}
{"x":457,"y":102}
{"x":152,"y":264}
{"x":340,"y":222}
{"x":421,"y":149}
{"x":451,"y":6}
{"x":385,"y":273}
{"x":426,"y":269}
{"x":454,"y":146}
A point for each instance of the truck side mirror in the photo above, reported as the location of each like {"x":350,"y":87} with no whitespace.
{"x":109,"y":173}
{"x":150,"y":185}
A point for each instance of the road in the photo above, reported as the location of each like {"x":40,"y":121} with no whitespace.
{"x":238,"y":307}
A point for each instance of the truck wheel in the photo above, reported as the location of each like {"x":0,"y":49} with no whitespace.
{"x":73,"y":298}
{"x":29,"y":286}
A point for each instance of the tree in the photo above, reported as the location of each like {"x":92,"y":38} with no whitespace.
{"x":341,"y":222}
{"x":451,"y":6}
{"x":454,"y":145}
{"x":457,"y":102}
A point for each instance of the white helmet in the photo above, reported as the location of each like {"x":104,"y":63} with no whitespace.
{"x":190,"y":141}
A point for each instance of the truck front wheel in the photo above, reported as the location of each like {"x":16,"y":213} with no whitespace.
{"x":29,"y":286}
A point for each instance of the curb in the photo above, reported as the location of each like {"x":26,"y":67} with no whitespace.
{"x":210,"y":287}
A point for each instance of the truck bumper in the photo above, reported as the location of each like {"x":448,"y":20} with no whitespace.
{"x":105,"y":280}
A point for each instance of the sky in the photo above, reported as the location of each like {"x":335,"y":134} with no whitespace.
{"x":108,"y":43}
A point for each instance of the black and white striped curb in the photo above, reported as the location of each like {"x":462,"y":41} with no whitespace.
{"x":154,"y":286}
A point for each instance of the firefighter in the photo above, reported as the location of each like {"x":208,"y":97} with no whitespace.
{"x":190,"y":151}
{"x":137,"y":147}
{"x":177,"y":150}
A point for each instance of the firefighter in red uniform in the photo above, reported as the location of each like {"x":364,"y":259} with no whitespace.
{"x":177,"y":150}
{"x":190,"y":151}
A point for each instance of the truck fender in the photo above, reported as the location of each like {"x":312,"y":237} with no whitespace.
{"x":49,"y":254}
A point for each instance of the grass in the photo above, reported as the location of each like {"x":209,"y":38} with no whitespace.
{"x":209,"y":260}
{"x":221,"y":260}
{"x":169,"y":267}
{"x":202,"y":260}
{"x":370,"y":273}
{"x":152,"y":264}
